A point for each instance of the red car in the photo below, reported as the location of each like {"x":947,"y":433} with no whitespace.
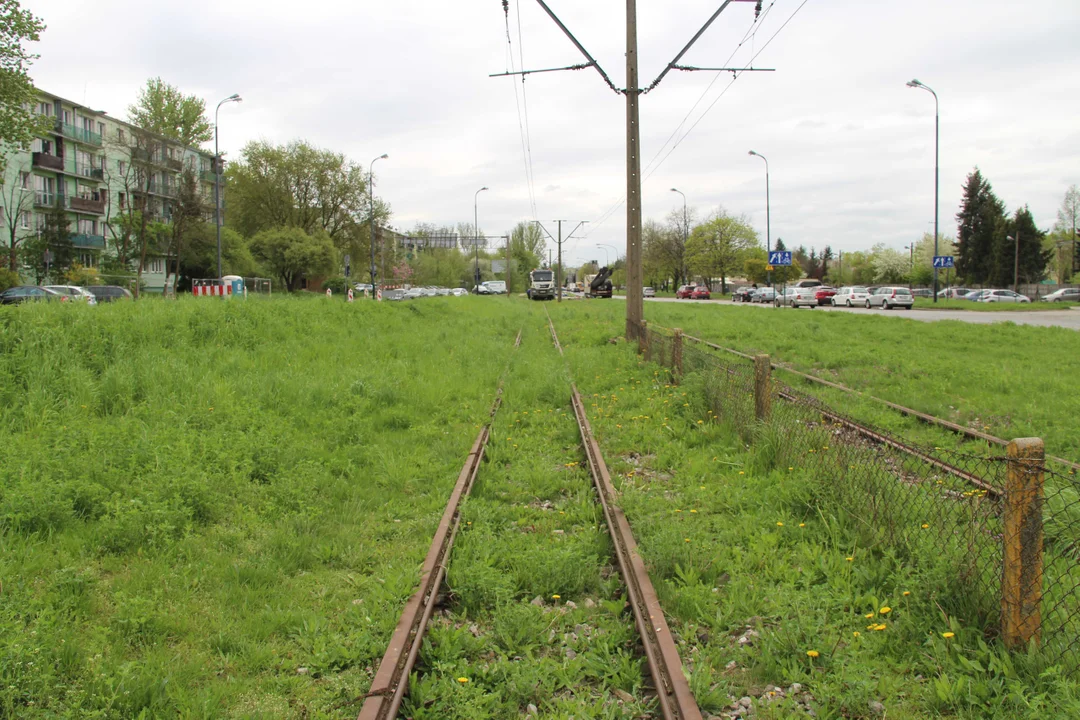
{"x":823,"y":295}
{"x":700,"y":293}
{"x":684,"y":292}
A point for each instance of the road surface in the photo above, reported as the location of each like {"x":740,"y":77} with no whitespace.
{"x":1069,"y":319}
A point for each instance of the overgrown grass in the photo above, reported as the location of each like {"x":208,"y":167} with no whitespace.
{"x":769,"y":582}
{"x":1009,"y":380}
{"x":217,"y":509}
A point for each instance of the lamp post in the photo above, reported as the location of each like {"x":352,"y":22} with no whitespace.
{"x":768,"y":213}
{"x":937,"y":145}
{"x":607,"y":257}
{"x":371,"y":210}
{"x":217,"y":177}
{"x":911,"y":264}
{"x":476,"y":238}
{"x":1016,"y":263}
{"x":686,"y":230}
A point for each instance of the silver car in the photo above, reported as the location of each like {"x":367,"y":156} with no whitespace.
{"x":74,"y":293}
{"x":1063,"y":295}
{"x":797,"y":297}
{"x":849,"y":296}
{"x":1003,"y":296}
{"x":888,"y":298}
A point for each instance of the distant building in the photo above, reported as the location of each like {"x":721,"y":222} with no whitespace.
{"x":95,"y":167}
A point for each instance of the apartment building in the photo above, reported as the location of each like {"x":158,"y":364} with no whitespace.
{"x":98,"y":168}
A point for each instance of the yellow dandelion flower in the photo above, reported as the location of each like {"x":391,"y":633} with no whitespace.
{"x":856,"y":633}
{"x":925,"y":526}
{"x":741,"y":472}
{"x":850,"y":559}
{"x":802,"y":524}
{"x":463,"y":680}
{"x":879,"y":627}
{"x":779,"y":524}
{"x":700,"y":422}
{"x":869,"y":615}
{"x":693,"y":511}
{"x":686,"y":539}
{"x":678,"y":511}
{"x":948,"y":635}
{"x":554,"y":597}
{"x":885,"y":610}
{"x":791,"y":468}
{"x":906,"y":593}
{"x":812,"y":653}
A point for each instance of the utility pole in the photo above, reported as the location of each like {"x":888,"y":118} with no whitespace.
{"x":635,"y":302}
{"x":508,"y":273}
{"x":558,"y":268}
{"x":559,"y":243}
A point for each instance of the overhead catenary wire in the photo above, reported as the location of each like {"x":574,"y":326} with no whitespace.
{"x":525,"y":104}
{"x":526,"y":150}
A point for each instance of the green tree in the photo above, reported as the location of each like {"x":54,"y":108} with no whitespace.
{"x":18,"y":123}
{"x":889,"y":265}
{"x":1068,"y":218}
{"x":526,"y":252}
{"x":755,"y":270}
{"x":54,"y":238}
{"x":719,"y":247}
{"x":980,"y":228}
{"x":1033,"y":258}
{"x":189,"y":211}
{"x":161,"y":108}
{"x":290,"y":253}
{"x":16,"y":199}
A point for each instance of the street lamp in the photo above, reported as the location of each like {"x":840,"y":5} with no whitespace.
{"x":607,"y":258}
{"x":911,"y":264}
{"x":476,"y":237}
{"x":768,"y":214}
{"x":937,"y":145}
{"x":217,"y":177}
{"x":371,"y":209}
{"x":686,"y":230}
{"x":1016,"y":263}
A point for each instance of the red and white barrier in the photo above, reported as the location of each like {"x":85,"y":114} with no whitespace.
{"x":212,"y":290}
{"x":378,"y":294}
{"x":350,"y":295}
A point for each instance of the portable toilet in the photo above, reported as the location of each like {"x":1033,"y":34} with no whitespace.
{"x":237,"y":284}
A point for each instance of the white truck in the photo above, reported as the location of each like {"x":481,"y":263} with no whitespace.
{"x":541,"y":285}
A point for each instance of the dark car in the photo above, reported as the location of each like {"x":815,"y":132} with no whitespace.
{"x":29,"y":293}
{"x":684,"y":292}
{"x":743,"y":294}
{"x":109,"y":293}
{"x":700,"y":293}
{"x":824,"y":295}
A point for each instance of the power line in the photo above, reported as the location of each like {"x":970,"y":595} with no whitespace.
{"x":525,"y":102}
{"x":526,"y":155}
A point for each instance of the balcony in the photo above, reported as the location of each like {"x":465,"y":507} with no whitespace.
{"x":89,"y":242}
{"x":44,"y":199}
{"x":173,"y":164}
{"x":47,"y":162}
{"x":88,"y":171}
{"x":87,"y":205}
{"x":208,"y":176}
{"x":78,"y":134}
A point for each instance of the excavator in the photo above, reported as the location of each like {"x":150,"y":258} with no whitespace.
{"x":599,"y":284}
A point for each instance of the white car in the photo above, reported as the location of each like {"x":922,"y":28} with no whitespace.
{"x":888,"y":298}
{"x":1003,"y":296}
{"x":74,"y":293}
{"x":797,"y":297}
{"x":458,"y":292}
{"x":848,"y":296}
{"x":648,"y":292}
{"x":413,"y":293}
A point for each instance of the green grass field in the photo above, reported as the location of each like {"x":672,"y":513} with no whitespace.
{"x":218,"y":510}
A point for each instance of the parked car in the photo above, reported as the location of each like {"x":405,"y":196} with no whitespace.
{"x":700,"y":293}
{"x":953,"y":293}
{"x":888,"y":298}
{"x":808,"y":283}
{"x":413,"y":293}
{"x":458,"y":292}
{"x":764,"y":295}
{"x":922,"y":292}
{"x":648,"y":292}
{"x":684,"y":292}
{"x":361,"y":287}
{"x":743,"y":294}
{"x":74,"y":293}
{"x":497,"y":287}
{"x":110,"y":293}
{"x":974,"y":295}
{"x":393,"y":295}
{"x":849,"y":296}
{"x":29,"y":293}
{"x":824,"y":295}
{"x":1063,"y":295}
{"x":1003,"y":296}
{"x":796,"y":297}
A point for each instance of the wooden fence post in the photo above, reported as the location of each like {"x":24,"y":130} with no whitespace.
{"x":643,"y":339}
{"x":676,"y":355}
{"x":762,"y":394}
{"x":1022,"y":581}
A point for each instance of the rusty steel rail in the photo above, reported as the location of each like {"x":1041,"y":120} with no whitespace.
{"x":672,"y":690}
{"x":911,"y":412}
{"x":665,"y":665}
{"x":392,"y":678}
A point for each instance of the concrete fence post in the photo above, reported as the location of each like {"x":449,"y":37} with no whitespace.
{"x":676,"y":355}
{"x":1022,"y":578}
{"x":762,"y":387}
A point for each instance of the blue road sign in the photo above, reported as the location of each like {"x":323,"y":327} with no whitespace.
{"x":779,"y":257}
{"x":943,"y":261}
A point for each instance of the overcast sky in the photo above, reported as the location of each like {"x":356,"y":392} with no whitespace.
{"x":851,"y":148}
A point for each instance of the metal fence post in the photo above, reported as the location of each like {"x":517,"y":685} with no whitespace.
{"x":643,"y":338}
{"x":762,"y":394}
{"x":1022,"y":581}
{"x":676,"y":355}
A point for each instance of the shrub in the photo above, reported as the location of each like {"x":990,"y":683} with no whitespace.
{"x":338,"y":284}
{"x":8,"y":279}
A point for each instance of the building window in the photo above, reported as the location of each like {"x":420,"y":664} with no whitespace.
{"x":67,"y":117}
{"x":25,"y":220}
{"x":45,"y":109}
{"x":120,"y":134}
{"x":87,"y":227}
{"x":101,"y":129}
{"x":24,"y":180}
{"x":122,"y":165}
{"x":156,"y":266}
{"x":120,"y":199}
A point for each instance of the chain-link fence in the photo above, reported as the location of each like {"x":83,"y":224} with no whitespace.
{"x":1004,"y":527}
